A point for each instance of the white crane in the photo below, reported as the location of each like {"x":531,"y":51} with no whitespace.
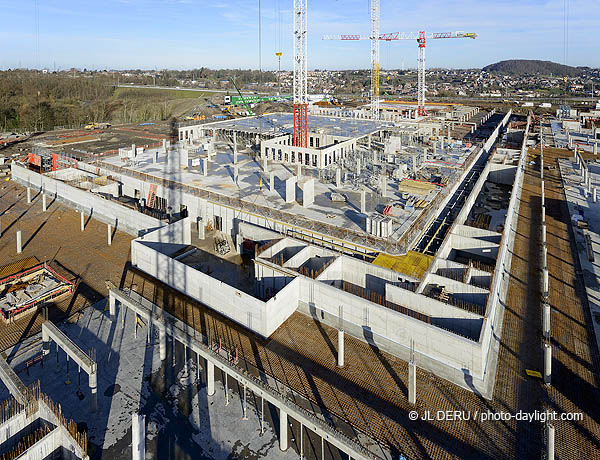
{"x":421,"y":38}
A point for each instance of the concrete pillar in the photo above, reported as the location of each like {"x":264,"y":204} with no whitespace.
{"x":271,"y":181}
{"x":369,"y":141}
{"x":434,"y":148}
{"x":308,"y":193}
{"x":547,"y":363}
{"x":595,"y":190}
{"x":205,"y":166}
{"x":133,"y":154}
{"x":138,"y":441}
{"x":44,"y":202}
{"x":549,"y":442}
{"x":19,"y":244}
{"x":162,"y":338}
{"x":358,"y":167}
{"x":28,"y":195}
{"x":210,"y":378}
{"x":164,"y":145}
{"x":112,"y":307}
{"x":383,"y":186}
{"x":449,"y":137}
{"x":290,"y":189}
{"x":363,"y":201}
{"x":109,"y":234}
{"x":595,"y":148}
{"x":82,"y":221}
{"x":299,"y":171}
{"x":338,"y":177}
{"x":235,"y":147}
{"x":283,"y":430}
{"x":412,"y":383}
{"x":265,"y":163}
{"x":93,"y":381}
{"x":340,"y":353}
{"x":545,"y":287}
{"x":235,"y":174}
{"x":546,"y":321}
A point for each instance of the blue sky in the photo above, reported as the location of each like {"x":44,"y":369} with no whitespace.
{"x":191,"y":33}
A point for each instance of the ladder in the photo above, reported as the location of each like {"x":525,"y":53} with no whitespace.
{"x":151,"y":196}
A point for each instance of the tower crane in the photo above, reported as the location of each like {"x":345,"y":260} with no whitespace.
{"x":300,"y":137}
{"x":421,"y":39}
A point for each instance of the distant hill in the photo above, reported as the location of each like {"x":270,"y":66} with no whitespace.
{"x":525,"y":66}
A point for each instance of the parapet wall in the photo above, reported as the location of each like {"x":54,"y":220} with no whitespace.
{"x":110,"y":212}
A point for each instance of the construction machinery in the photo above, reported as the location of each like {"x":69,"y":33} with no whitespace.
{"x":421,"y":38}
{"x":93,"y":126}
{"x":250,"y":112}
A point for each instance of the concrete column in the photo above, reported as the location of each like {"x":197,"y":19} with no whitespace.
{"x":133,"y":154}
{"x":44,"y":202}
{"x":271,"y":181}
{"x":299,"y":171}
{"x":210,"y":378}
{"x":546,"y":287}
{"x":28,"y":195}
{"x":112,"y":307}
{"x":543,"y":214}
{"x":549,"y":442}
{"x":138,"y":442}
{"x":308,"y":193}
{"x":595,"y":148}
{"x":290,"y":189}
{"x":93,"y":380}
{"x":595,"y":190}
{"x":383,"y":186}
{"x":358,"y":166}
{"x":340,"y":353}
{"x":205,"y":166}
{"x":546,"y":322}
{"x":236,"y":173}
{"x":235,"y":147}
{"x":162,"y":338}
{"x":109,"y":234}
{"x":19,"y":244}
{"x":265,"y":163}
{"x":363,"y":201}
{"x":283,"y":430}
{"x":412,"y":383}
{"x":547,"y":363}
{"x":338,"y":177}
{"x":82,"y":221}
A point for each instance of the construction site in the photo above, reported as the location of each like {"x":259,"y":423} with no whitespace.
{"x":389,"y":281}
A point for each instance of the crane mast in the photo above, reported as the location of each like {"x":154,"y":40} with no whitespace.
{"x":300,"y":75}
{"x":375,"y":59}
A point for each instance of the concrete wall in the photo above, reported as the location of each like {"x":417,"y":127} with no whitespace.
{"x":127,"y":220}
{"x":437,"y":350}
{"x":261,"y":317}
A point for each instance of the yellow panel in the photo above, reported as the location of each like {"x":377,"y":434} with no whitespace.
{"x":413,"y":264}
{"x":533,"y":373}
